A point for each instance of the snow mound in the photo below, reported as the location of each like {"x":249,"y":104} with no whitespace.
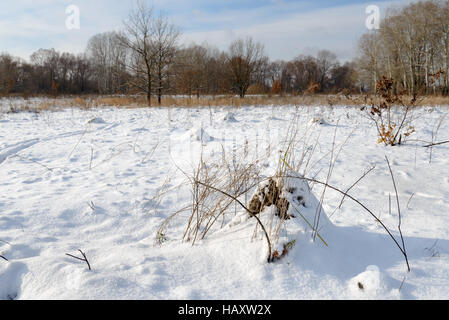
{"x":319,"y":120}
{"x":97,"y":121}
{"x":199,"y":134}
{"x":371,"y":285}
{"x":11,"y":280}
{"x":230,"y":117}
{"x":291,"y":199}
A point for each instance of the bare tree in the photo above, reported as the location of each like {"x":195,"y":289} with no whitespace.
{"x":137,"y":37}
{"x":326,"y":61}
{"x":9,"y":73}
{"x":300,"y":73}
{"x":109,"y":60}
{"x":82,"y":72}
{"x":245,"y":59}
{"x":343,"y":77}
{"x":46,"y":66}
{"x":65,"y":70}
{"x":152,"y":43}
{"x":165,"y":37}
{"x":192,"y":70}
{"x":368,"y":63}
{"x":412,"y":47}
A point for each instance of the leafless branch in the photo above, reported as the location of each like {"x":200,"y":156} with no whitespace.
{"x":81,"y":259}
{"x":435,"y":144}
{"x":399,"y":213}
{"x":351,"y":187}
{"x":34,"y":161}
{"x":404,"y":253}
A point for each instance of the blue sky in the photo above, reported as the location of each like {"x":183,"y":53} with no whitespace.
{"x":287,"y":28}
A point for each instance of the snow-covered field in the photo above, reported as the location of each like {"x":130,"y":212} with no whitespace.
{"x":104,"y":181}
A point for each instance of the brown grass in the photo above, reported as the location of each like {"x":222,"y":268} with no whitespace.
{"x":228,"y":100}
{"x":134,"y":101}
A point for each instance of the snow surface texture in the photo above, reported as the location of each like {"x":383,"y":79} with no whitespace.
{"x":104,"y":180}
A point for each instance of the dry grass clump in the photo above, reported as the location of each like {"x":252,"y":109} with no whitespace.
{"x":234,"y":178}
{"x":234,"y":184}
{"x":220,"y":190}
{"x":392,"y":113}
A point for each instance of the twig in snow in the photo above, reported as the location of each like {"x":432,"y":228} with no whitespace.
{"x":401,"y":248}
{"x":91,"y":157}
{"x":434,"y":136}
{"x":3,"y":258}
{"x":350,"y":188}
{"x":399,"y":214}
{"x":150,"y":153}
{"x":31,"y":160}
{"x":433,"y":250}
{"x":410,"y":200}
{"x":435,"y":144}
{"x":91,"y":206}
{"x":329,"y":174}
{"x":81,"y":259}
{"x":81,"y":138}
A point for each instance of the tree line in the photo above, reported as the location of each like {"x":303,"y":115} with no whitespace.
{"x":411,"y":47}
{"x":145,"y":57}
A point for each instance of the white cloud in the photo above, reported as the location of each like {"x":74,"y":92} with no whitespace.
{"x":336,"y":29}
{"x":286,"y":28}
